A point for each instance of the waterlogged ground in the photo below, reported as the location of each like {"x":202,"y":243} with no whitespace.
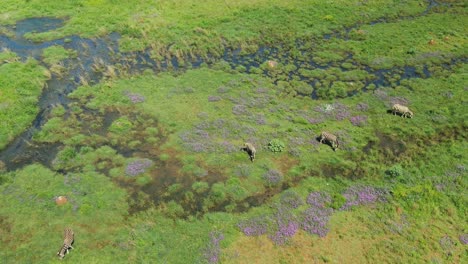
{"x":146,"y":144}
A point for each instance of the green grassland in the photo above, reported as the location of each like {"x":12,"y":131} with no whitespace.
{"x":188,"y":26}
{"x":185,"y":129}
{"x":91,"y":160}
{"x":21,"y":85}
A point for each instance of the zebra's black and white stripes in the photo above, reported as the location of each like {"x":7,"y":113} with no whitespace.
{"x":330,"y":139}
{"x":68,"y":238}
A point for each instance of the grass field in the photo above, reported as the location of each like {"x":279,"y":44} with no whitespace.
{"x":150,"y":161}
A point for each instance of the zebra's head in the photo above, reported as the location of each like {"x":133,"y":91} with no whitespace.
{"x":62,"y":252}
{"x":336,"y":145}
{"x":410,"y":114}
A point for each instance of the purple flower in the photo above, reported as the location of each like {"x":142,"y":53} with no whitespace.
{"x":272,"y":177}
{"x":315,"y":220}
{"x":447,"y":244}
{"x":362,"y":107}
{"x":213,"y":250}
{"x":137,"y":167}
{"x":463,"y":239}
{"x":228,"y":147}
{"x":223,"y":89}
{"x":134,"y":97}
{"x":341,"y":113}
{"x":291,"y":199}
{"x":399,"y":100}
{"x":261,"y":90}
{"x":337,"y":111}
{"x":359,"y":120}
{"x":213,"y":98}
{"x":243,"y":170}
{"x":240,"y":110}
{"x":362,"y":195}
{"x":314,"y":121}
{"x":319,"y":199}
{"x":284,"y":233}
{"x":254,"y":227}
{"x":260,"y":119}
{"x":380,"y":94}
{"x":197,"y":140}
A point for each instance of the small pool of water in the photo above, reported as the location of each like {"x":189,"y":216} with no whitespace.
{"x":37,"y":25}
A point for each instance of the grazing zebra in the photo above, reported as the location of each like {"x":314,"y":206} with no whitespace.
{"x":331,"y":139}
{"x":401,"y":109}
{"x":68,"y":237}
{"x":250,"y":149}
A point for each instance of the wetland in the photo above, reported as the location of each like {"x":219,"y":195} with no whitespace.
{"x":141,"y":131}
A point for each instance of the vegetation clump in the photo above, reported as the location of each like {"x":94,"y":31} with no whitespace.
{"x":276,"y":145}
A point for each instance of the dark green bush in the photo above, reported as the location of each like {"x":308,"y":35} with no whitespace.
{"x":276,"y":145}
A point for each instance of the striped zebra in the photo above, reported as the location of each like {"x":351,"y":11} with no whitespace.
{"x":68,"y":238}
{"x":401,"y":109}
{"x":250,"y":149}
{"x":330,"y":139}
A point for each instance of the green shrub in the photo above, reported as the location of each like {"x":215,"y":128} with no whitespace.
{"x":395,"y":171}
{"x":200,"y":187}
{"x":276,"y":145}
{"x":338,"y":201}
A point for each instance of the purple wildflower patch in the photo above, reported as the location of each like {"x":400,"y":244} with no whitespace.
{"x":463,"y":239}
{"x":314,"y":121}
{"x":197,"y":140}
{"x":381,"y":94}
{"x":359,"y":120}
{"x":272,"y":177}
{"x":254,"y":227}
{"x":341,"y":112}
{"x":284,"y":232}
{"x":447,"y":244}
{"x":213,"y":250}
{"x":335,"y":111}
{"x":362,"y":195}
{"x":243,"y":170}
{"x":223,"y":89}
{"x":399,"y":100}
{"x":228,"y":147}
{"x":260,"y":119}
{"x":362,"y":107}
{"x":319,"y":199}
{"x":137,"y":167}
{"x":214,"y":98}
{"x":240,"y":110}
{"x":291,"y":199}
{"x":134,"y":97}
{"x":315,"y":220}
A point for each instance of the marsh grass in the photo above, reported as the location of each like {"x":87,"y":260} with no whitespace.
{"x":184,"y":130}
{"x":54,"y":54}
{"x":367,"y":153}
{"x":22,"y":84}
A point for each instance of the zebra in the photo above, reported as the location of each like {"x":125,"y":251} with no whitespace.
{"x":401,"y":109}
{"x":67,"y":242}
{"x":330,"y":138}
{"x":250,"y":149}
